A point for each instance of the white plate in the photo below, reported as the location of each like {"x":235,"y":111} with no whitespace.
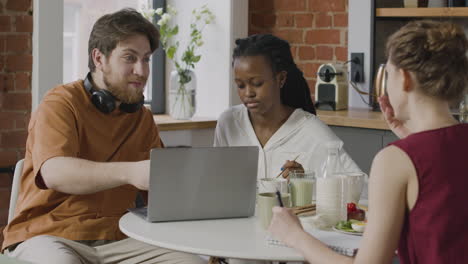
{"x":356,"y":233}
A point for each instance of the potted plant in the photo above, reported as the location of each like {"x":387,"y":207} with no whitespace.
{"x":182,"y":89}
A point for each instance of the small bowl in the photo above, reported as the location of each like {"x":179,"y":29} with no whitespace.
{"x":358,"y":226}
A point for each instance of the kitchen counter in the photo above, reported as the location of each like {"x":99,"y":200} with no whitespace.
{"x":167,"y":123}
{"x":353,"y":117}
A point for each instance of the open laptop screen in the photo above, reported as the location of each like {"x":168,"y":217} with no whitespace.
{"x":202,"y":183}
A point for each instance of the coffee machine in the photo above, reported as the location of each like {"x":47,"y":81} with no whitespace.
{"x":331,"y":89}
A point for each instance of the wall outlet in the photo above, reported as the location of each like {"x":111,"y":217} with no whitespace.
{"x":357,"y":67}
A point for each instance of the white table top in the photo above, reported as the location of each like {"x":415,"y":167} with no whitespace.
{"x":240,"y":238}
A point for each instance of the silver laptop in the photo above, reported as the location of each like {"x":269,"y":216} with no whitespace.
{"x":201,"y":183}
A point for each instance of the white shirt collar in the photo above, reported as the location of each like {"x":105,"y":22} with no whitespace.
{"x":294,"y":122}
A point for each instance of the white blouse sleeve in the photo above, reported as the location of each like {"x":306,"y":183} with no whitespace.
{"x":220,"y":137}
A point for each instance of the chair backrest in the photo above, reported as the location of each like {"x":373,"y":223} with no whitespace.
{"x":15,"y":189}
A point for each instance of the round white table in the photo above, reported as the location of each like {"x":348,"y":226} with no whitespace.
{"x":239,"y":238}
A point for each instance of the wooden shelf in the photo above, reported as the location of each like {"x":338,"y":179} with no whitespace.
{"x":423,"y":12}
{"x":167,"y":123}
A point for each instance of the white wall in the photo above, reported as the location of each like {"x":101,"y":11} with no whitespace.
{"x":215,"y":86}
{"x":360,"y":40}
{"x":240,"y":29}
{"x":47,"y":48}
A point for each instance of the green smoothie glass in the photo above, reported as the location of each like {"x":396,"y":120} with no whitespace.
{"x":302,"y":186}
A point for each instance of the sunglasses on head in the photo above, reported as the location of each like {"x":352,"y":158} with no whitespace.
{"x":380,"y":81}
{"x":380,"y":84}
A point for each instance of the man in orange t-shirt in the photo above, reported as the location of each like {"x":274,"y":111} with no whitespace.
{"x":87,"y":156}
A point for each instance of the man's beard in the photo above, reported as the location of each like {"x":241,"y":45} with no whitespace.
{"x":123,"y":93}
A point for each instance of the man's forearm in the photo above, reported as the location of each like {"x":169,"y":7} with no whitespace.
{"x":79,"y":176}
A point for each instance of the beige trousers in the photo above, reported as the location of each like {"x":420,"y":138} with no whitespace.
{"x":57,"y":250}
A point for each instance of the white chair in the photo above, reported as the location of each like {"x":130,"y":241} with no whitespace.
{"x":9,"y":260}
{"x":15,"y":189}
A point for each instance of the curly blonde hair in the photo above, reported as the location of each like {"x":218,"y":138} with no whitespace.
{"x":435,"y":52}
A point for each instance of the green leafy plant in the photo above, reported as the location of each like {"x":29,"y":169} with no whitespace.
{"x":168,"y":30}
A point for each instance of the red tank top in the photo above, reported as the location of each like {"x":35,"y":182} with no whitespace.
{"x":436,"y":229}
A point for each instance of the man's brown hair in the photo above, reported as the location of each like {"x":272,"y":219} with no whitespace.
{"x":110,"y":29}
{"x":435,"y":52}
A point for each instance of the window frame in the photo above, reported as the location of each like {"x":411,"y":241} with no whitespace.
{"x":158,"y":71}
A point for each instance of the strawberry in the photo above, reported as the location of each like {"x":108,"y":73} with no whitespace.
{"x":351,"y":207}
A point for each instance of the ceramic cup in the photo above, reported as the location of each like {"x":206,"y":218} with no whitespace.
{"x":272,"y":185}
{"x":265,"y":203}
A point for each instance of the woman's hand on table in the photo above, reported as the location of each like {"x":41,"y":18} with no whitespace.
{"x":290,"y":166}
{"x":285,"y":225}
{"x":397,"y":126}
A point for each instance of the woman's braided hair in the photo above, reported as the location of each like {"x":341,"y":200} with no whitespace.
{"x":295,"y":92}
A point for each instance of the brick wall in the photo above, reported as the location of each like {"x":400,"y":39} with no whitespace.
{"x":15,"y":88}
{"x":316,"y":29}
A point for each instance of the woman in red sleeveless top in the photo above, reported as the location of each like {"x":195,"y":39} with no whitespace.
{"x":417,"y":185}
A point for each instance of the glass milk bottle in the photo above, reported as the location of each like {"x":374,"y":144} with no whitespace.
{"x":331,"y":188}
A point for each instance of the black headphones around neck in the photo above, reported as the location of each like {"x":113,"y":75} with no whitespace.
{"x":105,"y":100}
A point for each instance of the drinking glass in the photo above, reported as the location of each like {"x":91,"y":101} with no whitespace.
{"x":355,"y":182}
{"x":302,"y":185}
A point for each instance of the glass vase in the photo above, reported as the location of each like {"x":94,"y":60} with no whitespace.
{"x":182,"y":93}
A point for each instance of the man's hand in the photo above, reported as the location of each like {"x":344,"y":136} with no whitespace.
{"x":140,"y":179}
{"x":290,"y":166}
{"x":397,"y":126}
